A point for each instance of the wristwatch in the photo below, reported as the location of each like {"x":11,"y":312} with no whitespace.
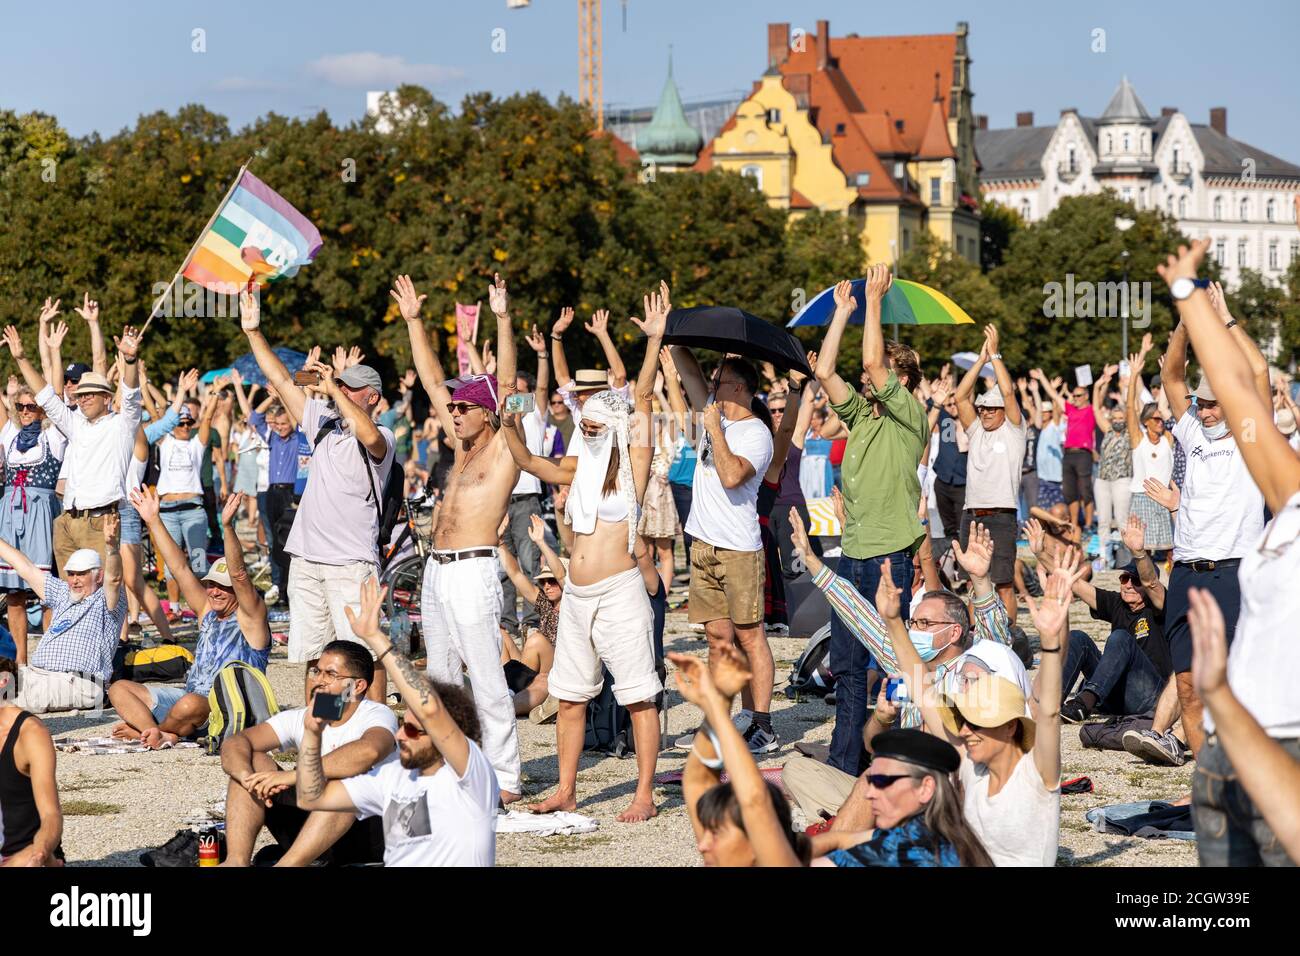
{"x":1184,"y":287}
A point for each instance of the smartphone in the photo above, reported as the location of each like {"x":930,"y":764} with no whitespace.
{"x":521,"y":403}
{"x":327,"y":706}
{"x":895,"y":690}
{"x":306,"y":378}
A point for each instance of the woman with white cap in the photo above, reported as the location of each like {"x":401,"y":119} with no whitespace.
{"x":605,"y":616}
{"x":1011,"y":762}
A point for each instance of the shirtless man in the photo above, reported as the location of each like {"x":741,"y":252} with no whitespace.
{"x":461,"y":595}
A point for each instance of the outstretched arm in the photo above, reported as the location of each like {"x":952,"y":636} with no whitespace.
{"x":1248,"y":346}
{"x":966,"y":389}
{"x":837,"y":390}
{"x":277,"y":376}
{"x":879,"y":279}
{"x":112,"y":561}
{"x":89,"y":311}
{"x":252,"y":609}
{"x":1173,"y":371}
{"x":195,"y":594}
{"x":1003,"y":377}
{"x":599,"y":327}
{"x":507,"y":358}
{"x":428,"y":365}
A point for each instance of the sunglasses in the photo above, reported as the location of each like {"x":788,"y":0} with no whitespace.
{"x":27,"y":407}
{"x":776,"y":409}
{"x":463,"y":408}
{"x":412,"y":730}
{"x":882,"y":781}
{"x":1127,"y":579}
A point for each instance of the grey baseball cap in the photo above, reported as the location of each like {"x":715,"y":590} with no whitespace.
{"x":362,"y":376}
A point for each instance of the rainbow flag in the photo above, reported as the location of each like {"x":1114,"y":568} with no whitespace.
{"x":255,"y":238}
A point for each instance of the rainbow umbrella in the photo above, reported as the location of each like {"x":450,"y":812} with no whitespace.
{"x":906,"y":303}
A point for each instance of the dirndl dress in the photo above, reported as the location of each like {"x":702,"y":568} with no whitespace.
{"x":658,"y":511}
{"x":1159,"y":522}
{"x":28,"y":508}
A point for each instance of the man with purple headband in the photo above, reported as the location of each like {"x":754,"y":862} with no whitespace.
{"x":460,"y":604}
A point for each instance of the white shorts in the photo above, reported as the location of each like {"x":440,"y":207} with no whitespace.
{"x":42,"y":691}
{"x":610,"y":622}
{"x":318,"y":593}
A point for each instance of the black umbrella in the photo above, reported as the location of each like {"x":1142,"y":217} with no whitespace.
{"x":725,"y":329}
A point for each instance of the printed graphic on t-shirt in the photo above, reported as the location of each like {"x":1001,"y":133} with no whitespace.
{"x":406,"y":820}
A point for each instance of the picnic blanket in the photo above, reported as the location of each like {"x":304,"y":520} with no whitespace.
{"x":111,"y":745}
{"x":1149,"y":819}
{"x":545,"y":824}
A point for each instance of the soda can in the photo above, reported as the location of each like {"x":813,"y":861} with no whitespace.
{"x":209,"y":847}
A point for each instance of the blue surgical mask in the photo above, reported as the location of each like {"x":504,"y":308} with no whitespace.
{"x":923,"y":641}
{"x":1215,"y":432}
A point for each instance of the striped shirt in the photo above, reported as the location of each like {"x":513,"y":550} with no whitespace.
{"x":82,"y":635}
{"x":866,"y":624}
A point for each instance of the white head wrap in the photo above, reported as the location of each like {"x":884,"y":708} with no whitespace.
{"x":613,"y":411}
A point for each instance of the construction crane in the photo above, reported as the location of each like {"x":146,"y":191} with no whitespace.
{"x":591,"y":72}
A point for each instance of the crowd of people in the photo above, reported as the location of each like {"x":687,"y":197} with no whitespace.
{"x":558,"y":500}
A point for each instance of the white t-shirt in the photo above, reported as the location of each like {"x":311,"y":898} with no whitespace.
{"x":288,"y":727}
{"x":1221,"y":513}
{"x":180,"y":465}
{"x":1151,"y":460}
{"x":438,"y":820}
{"x":1264,"y":661}
{"x":728,"y":517}
{"x":534,"y":437}
{"x":1021,"y":825}
{"x":993,"y":466}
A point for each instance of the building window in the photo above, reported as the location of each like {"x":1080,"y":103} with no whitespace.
{"x":1295,"y":250}
{"x":1272,"y":254}
{"x":1241,"y":253}
{"x":936,"y":191}
{"x":1073,"y":167}
{"x":863,"y":179}
{"x":774,"y":116}
{"x":1270,"y":210}
{"x":1182,"y":207}
{"x":1024,"y":209}
{"x":839,"y":129}
{"x":1218,"y":207}
{"x":1127,"y":193}
{"x":1175,"y":159}
{"x":1169,"y":205}
{"x":898,"y":170}
{"x":1126,"y":142}
{"x":961,"y":246}
{"x":1245,"y":209}
{"x":755,"y":173}
{"x":1221,"y":252}
{"x":1110,"y":143}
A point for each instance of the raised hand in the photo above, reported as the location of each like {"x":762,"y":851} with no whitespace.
{"x":365,"y":625}
{"x":837,"y":502}
{"x":535,"y":340}
{"x":888,"y":597}
{"x":1185,"y":264}
{"x":1053,"y":614}
{"x":1219,"y":302}
{"x":89,"y":309}
{"x":536,"y":530}
{"x":990,"y":340}
{"x":730,"y":670}
{"x":799,"y":534}
{"x":1148,"y":344}
{"x":845,"y":303}
{"x":326,"y":373}
{"x":1209,"y":642}
{"x":979,"y":551}
{"x":1134,"y":534}
{"x":1034,"y":532}
{"x":599,"y":324}
{"x":1108,"y":372}
{"x":15,"y":342}
{"x":711,"y":417}
{"x":408,"y":380}
{"x":564,"y":321}
{"x":313,"y":356}
{"x":666,"y":361}
{"x":408,"y":302}
{"x":231,"y":508}
{"x":49,"y":310}
{"x":498,"y":297}
{"x":940,"y":390}
{"x":112,"y":528}
{"x":54,"y":339}
{"x":1167,"y":496}
{"x":694,"y":682}
{"x":489,"y":360}
{"x":656,"y":307}
{"x":250,"y":311}
{"x":879,"y":279}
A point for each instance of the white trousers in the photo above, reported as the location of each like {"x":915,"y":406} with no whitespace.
{"x":1112,"y":504}
{"x":460,"y":610}
{"x":608,"y":622}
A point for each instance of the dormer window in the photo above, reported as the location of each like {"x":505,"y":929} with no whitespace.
{"x":774,"y":116}
{"x":1126,"y":142}
{"x":898,"y":125}
{"x":898,"y":170}
{"x":839,"y":129}
{"x":862,"y":179}
{"x":1073,"y":168}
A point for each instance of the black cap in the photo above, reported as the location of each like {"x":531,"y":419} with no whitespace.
{"x":1131,"y":569}
{"x":74,"y":371}
{"x":918,"y":747}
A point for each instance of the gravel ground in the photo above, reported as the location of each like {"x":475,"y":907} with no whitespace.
{"x":117,"y":806}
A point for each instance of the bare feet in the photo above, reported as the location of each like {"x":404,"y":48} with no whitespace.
{"x":1181,"y":801}
{"x":638,"y":811}
{"x":124,"y":731}
{"x":508,"y":798}
{"x":156,"y":739}
{"x":556,"y":802}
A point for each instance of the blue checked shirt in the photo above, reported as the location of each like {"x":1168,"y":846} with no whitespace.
{"x":81,"y":637}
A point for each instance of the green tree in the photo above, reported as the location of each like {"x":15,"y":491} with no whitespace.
{"x":998,"y":223}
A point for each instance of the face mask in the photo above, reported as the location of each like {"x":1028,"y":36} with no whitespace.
{"x":923,"y":641}
{"x":1215,"y":432}
{"x":1117,"y":426}
{"x":595,"y":443}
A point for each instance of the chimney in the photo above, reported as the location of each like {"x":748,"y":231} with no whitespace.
{"x":1168,"y":110}
{"x":981,"y":121}
{"x":778,"y":44}
{"x":1219,"y":119}
{"x":823,"y":44}
{"x":1025,"y":119}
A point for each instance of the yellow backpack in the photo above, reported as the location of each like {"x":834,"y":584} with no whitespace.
{"x":240,"y":697}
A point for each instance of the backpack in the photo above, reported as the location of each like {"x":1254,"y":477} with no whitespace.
{"x":240,"y":697}
{"x":812,"y":672}
{"x":394,"y":498}
{"x":609,"y":724}
{"x":1110,"y":735}
{"x":163,"y":664}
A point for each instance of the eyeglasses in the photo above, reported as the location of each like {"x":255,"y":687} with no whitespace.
{"x":463,"y":408}
{"x":1206,"y":403}
{"x":27,"y":407}
{"x":329,"y":675}
{"x":921,"y":624}
{"x":557,"y":403}
{"x":412,"y":730}
{"x":882,"y":781}
{"x":84,"y":395}
{"x":988,"y":409}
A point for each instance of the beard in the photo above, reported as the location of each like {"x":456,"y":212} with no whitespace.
{"x":417,"y":761}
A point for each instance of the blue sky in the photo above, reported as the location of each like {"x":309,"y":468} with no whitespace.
{"x":97,"y":69}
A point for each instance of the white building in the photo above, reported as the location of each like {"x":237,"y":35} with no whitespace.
{"x":1214,"y":185}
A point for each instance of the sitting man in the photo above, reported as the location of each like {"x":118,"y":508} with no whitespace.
{"x":74,"y":660}
{"x":232,"y":627}
{"x":439,"y":805}
{"x":261,"y":794}
{"x":32,"y":820}
{"x":1118,"y":680}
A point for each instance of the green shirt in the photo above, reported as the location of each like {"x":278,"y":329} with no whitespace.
{"x":878,"y":476}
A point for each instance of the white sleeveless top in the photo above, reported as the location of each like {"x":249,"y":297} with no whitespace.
{"x":1152,"y":461}
{"x":180,"y":466}
{"x":1021,"y":825}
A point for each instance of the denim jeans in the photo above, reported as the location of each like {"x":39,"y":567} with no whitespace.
{"x":851,"y":660}
{"x":1230,"y":831}
{"x":188,"y":527}
{"x":1122,"y":676}
{"x":682,"y":495}
{"x":529,"y":556}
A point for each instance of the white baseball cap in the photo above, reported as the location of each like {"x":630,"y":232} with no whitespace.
{"x":85,"y":559}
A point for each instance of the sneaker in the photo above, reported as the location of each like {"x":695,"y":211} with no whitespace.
{"x":180,"y":850}
{"x":686,"y":741}
{"x":698,"y":628}
{"x":761,"y":741}
{"x":272,"y":596}
{"x":777,"y":630}
{"x":1155,"y":748}
{"x":1073,"y":711}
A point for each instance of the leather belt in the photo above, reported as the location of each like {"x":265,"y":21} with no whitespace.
{"x":985,"y":512}
{"x":1202,"y":566}
{"x":446,"y":557}
{"x":91,"y":512}
{"x":526,"y":494}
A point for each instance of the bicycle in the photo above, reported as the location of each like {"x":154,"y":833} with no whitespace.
{"x":402,"y":570}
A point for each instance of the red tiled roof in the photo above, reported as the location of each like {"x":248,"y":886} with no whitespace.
{"x":624,"y":153}
{"x":799,"y":201}
{"x":935,"y":143}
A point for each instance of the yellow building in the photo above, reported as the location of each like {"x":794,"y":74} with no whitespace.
{"x":880,"y":128}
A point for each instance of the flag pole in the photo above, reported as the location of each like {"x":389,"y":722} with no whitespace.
{"x":190,"y":255}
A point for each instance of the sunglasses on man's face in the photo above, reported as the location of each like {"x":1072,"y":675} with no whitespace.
{"x":882,"y":781}
{"x":412,"y":730}
{"x":460,"y":408}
